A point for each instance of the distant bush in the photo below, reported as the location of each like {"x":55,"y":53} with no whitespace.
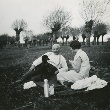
{"x":12,"y":40}
{"x":3,"y":40}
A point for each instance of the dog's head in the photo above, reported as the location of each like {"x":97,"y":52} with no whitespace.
{"x":45,"y":58}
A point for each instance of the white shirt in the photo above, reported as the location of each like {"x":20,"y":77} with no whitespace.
{"x":56,"y":60}
{"x":85,"y":65}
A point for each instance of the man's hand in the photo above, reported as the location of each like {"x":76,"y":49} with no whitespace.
{"x":71,"y":62}
{"x":56,"y":72}
{"x":32,"y":67}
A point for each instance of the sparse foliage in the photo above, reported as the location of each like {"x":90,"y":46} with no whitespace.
{"x":92,"y":11}
{"x":75,"y":32}
{"x":57,"y":20}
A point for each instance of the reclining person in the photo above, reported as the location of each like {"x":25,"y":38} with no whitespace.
{"x":51,"y":63}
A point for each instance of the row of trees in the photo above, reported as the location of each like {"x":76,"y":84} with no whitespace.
{"x":44,"y":39}
{"x":5,"y":40}
{"x":91,"y":11}
{"x":58,"y":21}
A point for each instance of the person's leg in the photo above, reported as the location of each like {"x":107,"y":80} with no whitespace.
{"x":26,"y":77}
{"x":33,"y":73}
{"x":36,"y":78}
{"x":61,"y":82}
{"x":70,"y":76}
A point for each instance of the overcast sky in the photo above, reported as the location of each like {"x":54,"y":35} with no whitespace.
{"x":33,"y":12}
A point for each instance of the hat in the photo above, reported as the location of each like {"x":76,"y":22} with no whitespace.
{"x":45,"y":57}
{"x":56,"y":46}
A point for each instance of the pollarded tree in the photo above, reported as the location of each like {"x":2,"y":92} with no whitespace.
{"x":100,"y":29}
{"x":90,"y":11}
{"x":65,"y":32}
{"x":56,"y":20}
{"x":18,"y":26}
{"x":96,"y":36}
{"x":75,"y":32}
{"x":83,"y":37}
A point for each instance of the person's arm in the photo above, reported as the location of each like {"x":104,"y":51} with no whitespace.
{"x":37,"y":61}
{"x":77,"y":65}
{"x":63,"y":65}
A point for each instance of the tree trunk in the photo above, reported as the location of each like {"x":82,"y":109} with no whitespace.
{"x":94,"y":40}
{"x":17,"y":38}
{"x":88,"y":35}
{"x":26,"y":42}
{"x":63,"y":41}
{"x":66,"y":42}
{"x":74,"y":37}
{"x":83,"y":41}
{"x":43,"y":42}
{"x":97,"y":40}
{"x":52,"y":39}
{"x":102,"y":39}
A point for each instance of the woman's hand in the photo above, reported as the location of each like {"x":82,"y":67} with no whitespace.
{"x":76,"y":64}
{"x":56,"y":72}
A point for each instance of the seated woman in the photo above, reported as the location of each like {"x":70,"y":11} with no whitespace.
{"x":80,"y":64}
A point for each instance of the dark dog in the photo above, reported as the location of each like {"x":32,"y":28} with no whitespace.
{"x":43,"y":71}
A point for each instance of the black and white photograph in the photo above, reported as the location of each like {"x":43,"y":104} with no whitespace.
{"x":54,"y":54}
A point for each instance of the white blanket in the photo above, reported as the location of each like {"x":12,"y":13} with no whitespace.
{"x":29,"y":85}
{"x":90,"y":83}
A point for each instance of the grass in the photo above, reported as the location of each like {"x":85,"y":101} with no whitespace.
{"x":15,"y":62}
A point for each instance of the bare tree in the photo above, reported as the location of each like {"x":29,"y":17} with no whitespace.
{"x":18,"y":26}
{"x":56,"y":20}
{"x":90,"y":11}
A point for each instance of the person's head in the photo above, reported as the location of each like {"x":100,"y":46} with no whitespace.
{"x":56,"y":49}
{"x":75,"y":45}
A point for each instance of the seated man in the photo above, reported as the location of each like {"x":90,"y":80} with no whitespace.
{"x":51,"y":63}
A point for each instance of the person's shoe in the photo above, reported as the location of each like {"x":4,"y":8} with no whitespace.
{"x":68,"y":84}
{"x":17,"y":82}
{"x":59,"y":88}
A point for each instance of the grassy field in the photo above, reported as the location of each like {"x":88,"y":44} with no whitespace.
{"x":14,"y":62}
